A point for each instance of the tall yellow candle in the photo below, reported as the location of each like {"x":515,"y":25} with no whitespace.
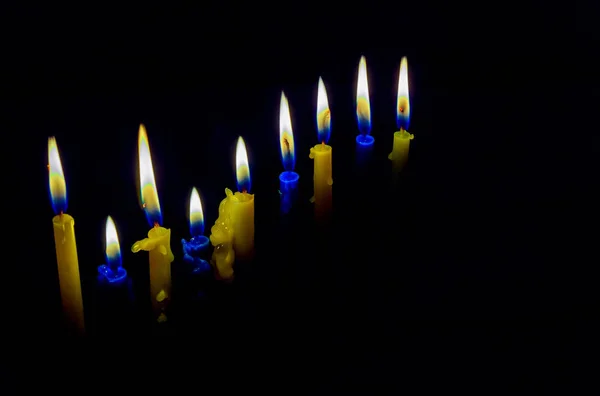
{"x":233,"y":232}
{"x":321,"y":154}
{"x":402,"y":138}
{"x":158,"y":242}
{"x":64,"y":240}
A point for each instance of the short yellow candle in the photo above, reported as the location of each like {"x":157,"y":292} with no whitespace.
{"x":66,"y":248}
{"x":158,"y":242}
{"x":233,"y":232}
{"x":321,"y":154}
{"x":402,"y":138}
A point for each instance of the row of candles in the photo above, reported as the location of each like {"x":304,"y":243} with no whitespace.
{"x":232,"y":235}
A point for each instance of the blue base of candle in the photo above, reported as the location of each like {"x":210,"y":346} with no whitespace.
{"x":193,"y":251}
{"x":106,"y":274}
{"x":365,"y":140}
{"x":364,"y":148}
{"x":288,"y":188}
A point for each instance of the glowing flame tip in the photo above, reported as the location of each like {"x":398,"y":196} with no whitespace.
{"x":148,"y":192}
{"x":242,"y":169}
{"x":286,"y":135}
{"x":113,"y":248}
{"x":323,"y":113}
{"x":196,"y":214}
{"x":56,"y":178}
{"x":403,"y":104}
{"x":363,"y":104}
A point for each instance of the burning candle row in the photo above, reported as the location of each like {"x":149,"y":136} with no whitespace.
{"x":232,"y":235}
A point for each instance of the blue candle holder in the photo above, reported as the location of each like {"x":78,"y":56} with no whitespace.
{"x":364,"y":148}
{"x":112,"y":272}
{"x":194,"y":252}
{"x":288,"y":190}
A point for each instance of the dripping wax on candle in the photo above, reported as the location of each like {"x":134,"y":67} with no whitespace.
{"x":158,"y":242}
{"x":233,"y":233}
{"x":64,"y":241}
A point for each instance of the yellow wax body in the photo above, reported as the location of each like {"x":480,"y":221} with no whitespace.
{"x":233,"y":233}
{"x":158,"y":246}
{"x":399,"y":154}
{"x":68,"y":271}
{"x":242,"y":220}
{"x":321,"y":153}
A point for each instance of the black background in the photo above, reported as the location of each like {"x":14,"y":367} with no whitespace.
{"x":479,"y":253}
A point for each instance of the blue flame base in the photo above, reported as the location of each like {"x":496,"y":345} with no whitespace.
{"x":365,"y":140}
{"x":194,"y":252}
{"x":113,"y":276}
{"x":288,"y":190}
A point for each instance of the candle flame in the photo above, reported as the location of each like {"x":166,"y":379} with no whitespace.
{"x":242,"y":170}
{"x":196,"y":214}
{"x":148,"y":192}
{"x":286,"y":135}
{"x":323,"y":113}
{"x":403,"y":108}
{"x":57,"y":184}
{"x":113,"y":249}
{"x":363,"y":104}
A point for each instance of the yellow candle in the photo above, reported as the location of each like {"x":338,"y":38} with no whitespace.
{"x":233,"y":232}
{"x":158,"y":242}
{"x":402,"y":138}
{"x":321,"y":154}
{"x":66,"y":248}
{"x":221,"y":237}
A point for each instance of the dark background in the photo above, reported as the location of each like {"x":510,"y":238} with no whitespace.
{"x":479,"y":252}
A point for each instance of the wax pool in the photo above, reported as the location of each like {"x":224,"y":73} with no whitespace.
{"x":68,"y":271}
{"x":158,"y":246}
{"x":288,"y":189}
{"x":399,"y":154}
{"x":321,"y":154}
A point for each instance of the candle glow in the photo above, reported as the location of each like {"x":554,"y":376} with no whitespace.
{"x":196,"y":214}
{"x":286,"y":136}
{"x":323,"y":114}
{"x":113,"y":249}
{"x":58,"y":186}
{"x":403,"y":107}
{"x":148,"y":192}
{"x":363,"y":106}
{"x":242,"y":170}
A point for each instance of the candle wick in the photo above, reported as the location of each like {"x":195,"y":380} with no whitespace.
{"x":323,"y":142}
{"x":156,"y":225}
{"x":244,"y":190}
{"x":61,"y":212}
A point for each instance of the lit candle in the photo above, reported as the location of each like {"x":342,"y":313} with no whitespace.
{"x":158,"y":243}
{"x":288,"y":179}
{"x":114,"y":296}
{"x":233,"y":232}
{"x":402,"y":138}
{"x":364,"y":140}
{"x":321,"y":153}
{"x":197,"y":247}
{"x":113,"y":271}
{"x":64,"y":239}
